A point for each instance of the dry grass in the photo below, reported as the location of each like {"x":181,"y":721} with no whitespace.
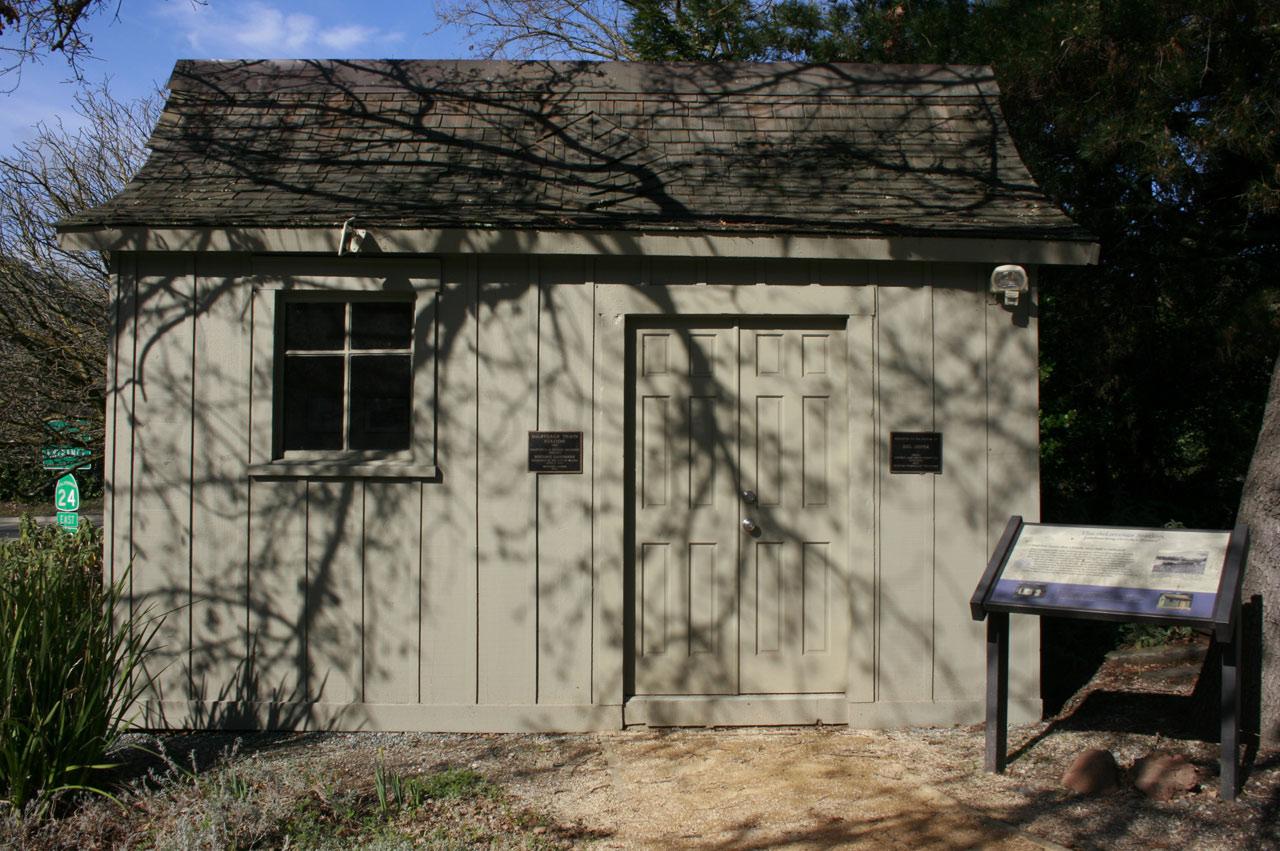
{"x":313,"y":791}
{"x":815,"y":788}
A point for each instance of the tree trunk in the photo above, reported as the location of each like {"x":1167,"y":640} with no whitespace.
{"x":1260,"y":509}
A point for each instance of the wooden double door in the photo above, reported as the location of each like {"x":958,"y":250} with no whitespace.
{"x":740,"y":507}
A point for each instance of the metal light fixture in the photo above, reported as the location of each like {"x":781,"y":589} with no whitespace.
{"x":1011,"y":281}
{"x":350,"y":240}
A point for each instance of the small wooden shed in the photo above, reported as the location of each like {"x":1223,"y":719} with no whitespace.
{"x":563,"y":396}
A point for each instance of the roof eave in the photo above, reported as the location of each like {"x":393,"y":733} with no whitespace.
{"x":976,"y":248}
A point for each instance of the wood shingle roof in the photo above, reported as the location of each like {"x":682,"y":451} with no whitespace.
{"x":736,"y":148}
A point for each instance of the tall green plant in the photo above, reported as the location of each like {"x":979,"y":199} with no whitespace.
{"x":71,"y":665}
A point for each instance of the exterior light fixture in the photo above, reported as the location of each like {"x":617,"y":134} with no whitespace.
{"x":1011,"y":281}
{"x":350,"y":239}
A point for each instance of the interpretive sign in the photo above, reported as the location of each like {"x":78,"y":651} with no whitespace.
{"x":1159,"y":572}
{"x":555,"y":452}
{"x":915,"y":452}
{"x":1185,"y":577}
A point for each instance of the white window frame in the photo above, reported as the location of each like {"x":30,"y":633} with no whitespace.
{"x":275,"y":280}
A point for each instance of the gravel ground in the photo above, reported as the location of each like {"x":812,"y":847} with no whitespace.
{"x":807,"y":787}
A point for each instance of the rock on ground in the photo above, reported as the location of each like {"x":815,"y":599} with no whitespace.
{"x":1164,"y":776}
{"x":1092,"y":772}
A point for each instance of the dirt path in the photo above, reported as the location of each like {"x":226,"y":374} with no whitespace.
{"x":719,"y":790}
{"x":798,"y":789}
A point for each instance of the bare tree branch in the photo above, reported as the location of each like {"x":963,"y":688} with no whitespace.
{"x":53,"y":302}
{"x":549,"y":29}
{"x":32,"y":29}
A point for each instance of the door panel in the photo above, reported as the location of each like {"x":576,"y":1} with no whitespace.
{"x":687,"y":641}
{"x":792,"y":404}
{"x":720,"y":410}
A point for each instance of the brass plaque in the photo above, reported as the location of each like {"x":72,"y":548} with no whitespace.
{"x":915,"y":452}
{"x":555,"y":452}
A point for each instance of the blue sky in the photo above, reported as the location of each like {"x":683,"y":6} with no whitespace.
{"x":137,"y":48}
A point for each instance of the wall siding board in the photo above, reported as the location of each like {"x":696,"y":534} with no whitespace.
{"x":162,"y":465}
{"x":960,"y":402}
{"x":220,"y":495}
{"x":262,"y":375}
{"x":508,"y":395}
{"x":108,"y":420}
{"x":117,"y":456}
{"x":391,"y":599}
{"x":448,"y":594}
{"x":335,"y":567}
{"x":1013,"y":458}
{"x":278,"y":591}
{"x":862,"y":508}
{"x":610,"y":650}
{"x":564,"y":593}
{"x":905,"y":600}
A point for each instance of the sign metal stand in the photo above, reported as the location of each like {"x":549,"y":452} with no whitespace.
{"x":1223,"y":622}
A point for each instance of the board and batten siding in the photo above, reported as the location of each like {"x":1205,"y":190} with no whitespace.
{"x":489,"y":598}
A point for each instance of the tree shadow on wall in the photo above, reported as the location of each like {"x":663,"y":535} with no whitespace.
{"x":305,"y":600}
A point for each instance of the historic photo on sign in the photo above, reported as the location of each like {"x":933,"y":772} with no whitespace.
{"x":1183,"y":562}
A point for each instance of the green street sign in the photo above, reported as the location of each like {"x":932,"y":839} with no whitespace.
{"x":69,"y":520}
{"x":64,"y":457}
{"x":69,"y":428}
{"x":66,"y":496}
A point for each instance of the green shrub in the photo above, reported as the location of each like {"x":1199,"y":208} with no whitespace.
{"x":1151,"y":635}
{"x":23,"y":480}
{"x":71,"y":664}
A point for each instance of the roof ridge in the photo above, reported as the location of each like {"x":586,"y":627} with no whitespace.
{"x":681,"y":78}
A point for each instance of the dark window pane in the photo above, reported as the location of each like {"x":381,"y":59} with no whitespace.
{"x":381,"y":324}
{"x":313,"y":324}
{"x":313,"y":402}
{"x":380,"y":401}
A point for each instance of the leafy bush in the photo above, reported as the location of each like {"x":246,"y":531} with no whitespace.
{"x":1151,"y":635}
{"x":71,"y":664}
{"x":23,"y":480}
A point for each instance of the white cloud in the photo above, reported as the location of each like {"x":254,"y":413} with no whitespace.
{"x":266,"y":30}
{"x":347,"y":37}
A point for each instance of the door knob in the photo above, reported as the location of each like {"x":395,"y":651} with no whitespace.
{"x":749,"y":497}
{"x":748,"y":525}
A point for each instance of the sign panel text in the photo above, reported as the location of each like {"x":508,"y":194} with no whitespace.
{"x":1162,"y":572}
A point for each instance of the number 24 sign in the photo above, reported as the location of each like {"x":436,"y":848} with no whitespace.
{"x":66,"y":497}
